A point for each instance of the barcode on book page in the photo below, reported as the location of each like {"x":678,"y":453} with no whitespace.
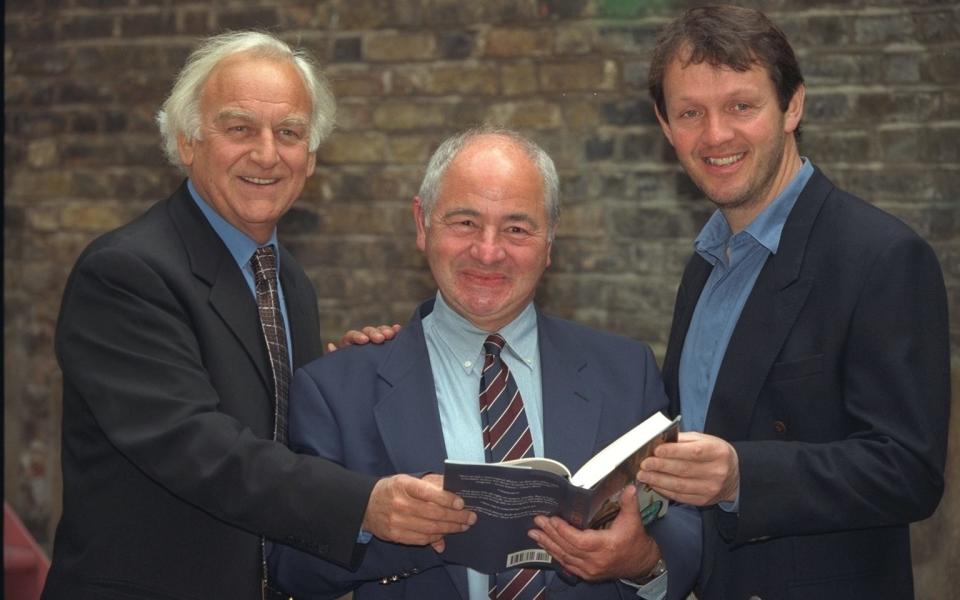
{"x":528,"y":556}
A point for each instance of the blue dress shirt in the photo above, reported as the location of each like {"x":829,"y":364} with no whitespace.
{"x":737,"y":261}
{"x":456,"y":354}
{"x":241,"y":247}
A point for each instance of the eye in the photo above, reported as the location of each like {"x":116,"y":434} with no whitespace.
{"x":742,"y":107}
{"x":290,"y":134}
{"x":462,"y":225}
{"x":518,"y":230}
{"x":238,"y":129}
{"x":691,"y":113}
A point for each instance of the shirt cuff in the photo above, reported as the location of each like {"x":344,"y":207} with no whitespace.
{"x":731,"y":507}
{"x":364,"y":537}
{"x":655,"y":589}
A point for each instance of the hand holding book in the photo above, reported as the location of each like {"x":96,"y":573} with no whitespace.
{"x":622,"y":550}
{"x":508,"y":496}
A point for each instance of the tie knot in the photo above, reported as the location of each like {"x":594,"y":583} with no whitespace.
{"x":264,"y":263}
{"x":494,"y":344}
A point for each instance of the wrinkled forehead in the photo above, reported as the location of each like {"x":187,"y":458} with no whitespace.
{"x":256,"y":77}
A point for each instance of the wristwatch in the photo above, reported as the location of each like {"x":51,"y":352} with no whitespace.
{"x":658,"y":569}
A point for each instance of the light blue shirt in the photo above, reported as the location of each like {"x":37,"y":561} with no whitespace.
{"x":456,"y":354}
{"x":456,"y":359}
{"x":737,"y":261}
{"x":241,"y":248}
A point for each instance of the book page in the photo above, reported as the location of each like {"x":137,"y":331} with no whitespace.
{"x":619,"y":450}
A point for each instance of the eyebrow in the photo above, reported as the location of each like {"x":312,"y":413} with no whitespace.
{"x":234,"y":113}
{"x":469,"y":212}
{"x":228,"y":114}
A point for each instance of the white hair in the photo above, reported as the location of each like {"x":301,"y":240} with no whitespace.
{"x":452,"y":146}
{"x":180,"y":113}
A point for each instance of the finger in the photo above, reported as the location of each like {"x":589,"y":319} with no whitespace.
{"x":373,"y":333}
{"x":678,"y":490}
{"x":629,"y":515}
{"x":434,"y":479}
{"x":331,"y":347}
{"x":388,"y":331}
{"x":546,"y":540}
{"x":353,"y":337}
{"x":688,"y":450}
{"x":439,"y":546}
{"x":572,"y":541}
{"x":429,"y":492}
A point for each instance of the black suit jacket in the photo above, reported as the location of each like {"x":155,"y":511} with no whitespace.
{"x":835,"y":392}
{"x":169,"y":473}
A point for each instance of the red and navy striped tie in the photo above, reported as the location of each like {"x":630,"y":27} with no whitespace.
{"x":506,"y":436}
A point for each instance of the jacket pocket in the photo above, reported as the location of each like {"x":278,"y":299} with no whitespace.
{"x":796,"y":369}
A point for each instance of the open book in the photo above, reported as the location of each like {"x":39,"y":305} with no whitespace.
{"x":507,"y":496}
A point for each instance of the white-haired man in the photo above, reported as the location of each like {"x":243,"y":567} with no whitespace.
{"x":177,"y":336}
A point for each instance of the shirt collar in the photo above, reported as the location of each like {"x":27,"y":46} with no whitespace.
{"x":465,"y":340}
{"x":766,"y":228}
{"x":240,"y":245}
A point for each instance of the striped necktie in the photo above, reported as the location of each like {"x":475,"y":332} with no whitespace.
{"x":264,"y":265}
{"x":506,"y":436}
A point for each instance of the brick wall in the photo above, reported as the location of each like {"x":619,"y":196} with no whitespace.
{"x":83,"y":79}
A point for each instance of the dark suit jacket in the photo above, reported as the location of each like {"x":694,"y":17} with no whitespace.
{"x":169,"y":475}
{"x":835,"y":392}
{"x":374,"y":409}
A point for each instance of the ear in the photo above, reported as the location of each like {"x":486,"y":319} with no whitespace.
{"x":794,"y":110}
{"x":664,"y":125}
{"x":311,"y":163}
{"x":418,"y":220}
{"x":186,"y":149}
{"x":549,"y":248}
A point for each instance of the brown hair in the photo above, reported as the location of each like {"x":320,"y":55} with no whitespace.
{"x":726,"y":36}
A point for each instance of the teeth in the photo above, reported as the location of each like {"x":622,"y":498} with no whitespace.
{"x":722,"y":162}
{"x":259,"y":181}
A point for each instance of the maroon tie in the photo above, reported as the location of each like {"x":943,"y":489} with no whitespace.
{"x":506,"y":436}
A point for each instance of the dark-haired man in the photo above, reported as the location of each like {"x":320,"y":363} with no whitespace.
{"x":809,"y":349}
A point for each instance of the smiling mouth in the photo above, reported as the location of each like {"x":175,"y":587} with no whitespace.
{"x":483,"y":277}
{"x":724,"y":161}
{"x":259,"y":180}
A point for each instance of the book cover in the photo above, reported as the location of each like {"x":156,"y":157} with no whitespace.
{"x":507,"y":496}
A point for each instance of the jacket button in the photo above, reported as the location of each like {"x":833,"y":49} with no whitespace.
{"x":779,"y":427}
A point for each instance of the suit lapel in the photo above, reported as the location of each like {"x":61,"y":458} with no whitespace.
{"x":407,"y":415}
{"x":211,"y":262}
{"x":766,"y":320}
{"x":691,"y":285}
{"x":571,"y":412}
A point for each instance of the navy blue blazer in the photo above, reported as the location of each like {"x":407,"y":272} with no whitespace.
{"x":835,"y":392}
{"x":373,"y":409}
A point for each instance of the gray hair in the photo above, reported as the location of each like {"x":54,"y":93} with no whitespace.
{"x":451,"y":147}
{"x":180,"y":113}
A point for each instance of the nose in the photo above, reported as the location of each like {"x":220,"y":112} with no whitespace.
{"x":487,"y":249}
{"x":264,"y":151}
{"x":718,"y":130}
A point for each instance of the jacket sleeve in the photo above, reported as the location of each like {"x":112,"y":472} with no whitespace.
{"x":315,"y":431}
{"x":126,"y":343}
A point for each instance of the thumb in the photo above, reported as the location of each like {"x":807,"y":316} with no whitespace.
{"x":629,"y":515}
